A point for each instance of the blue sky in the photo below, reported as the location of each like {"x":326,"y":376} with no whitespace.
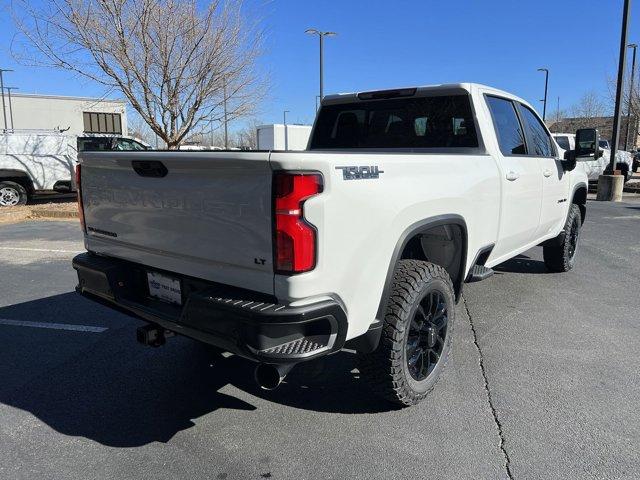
{"x":383,"y":44}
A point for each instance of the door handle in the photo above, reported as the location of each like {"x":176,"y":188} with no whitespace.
{"x":511,"y":176}
{"x":547,"y":173}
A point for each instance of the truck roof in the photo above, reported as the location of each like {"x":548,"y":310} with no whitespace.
{"x":415,"y":91}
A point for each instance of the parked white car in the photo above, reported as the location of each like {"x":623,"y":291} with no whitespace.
{"x":596,"y":167}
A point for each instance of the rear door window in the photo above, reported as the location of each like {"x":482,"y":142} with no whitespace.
{"x":508,"y":128}
{"x":419,"y":122}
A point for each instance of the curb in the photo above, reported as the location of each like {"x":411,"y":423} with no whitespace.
{"x":52,"y":214}
{"x":634,"y":188}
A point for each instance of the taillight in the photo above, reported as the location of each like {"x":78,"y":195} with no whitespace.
{"x":295,"y":239}
{"x":79,"y":191}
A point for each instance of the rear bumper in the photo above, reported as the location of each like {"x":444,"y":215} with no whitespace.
{"x":249,"y":324}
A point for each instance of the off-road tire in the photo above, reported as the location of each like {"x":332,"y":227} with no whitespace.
{"x":20,"y":193}
{"x":386,"y":369}
{"x":560,"y":254}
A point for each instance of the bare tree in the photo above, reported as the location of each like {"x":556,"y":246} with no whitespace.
{"x":589,"y":106}
{"x":139,"y":129}
{"x":176,"y":61}
{"x":247,"y":137}
{"x":630,"y":104}
{"x":555,"y":118}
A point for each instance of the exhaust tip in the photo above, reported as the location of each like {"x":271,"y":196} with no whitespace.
{"x":269,"y":377}
{"x":151,"y":335}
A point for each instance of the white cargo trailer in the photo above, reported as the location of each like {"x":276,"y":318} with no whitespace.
{"x":283,"y":137}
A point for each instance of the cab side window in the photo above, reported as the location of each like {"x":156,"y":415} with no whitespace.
{"x":541,"y":144}
{"x":507,"y":125}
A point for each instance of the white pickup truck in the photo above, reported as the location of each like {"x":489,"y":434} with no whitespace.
{"x":594,"y":167}
{"x":363,"y":241}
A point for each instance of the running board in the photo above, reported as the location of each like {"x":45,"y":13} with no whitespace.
{"x":479,"y":273}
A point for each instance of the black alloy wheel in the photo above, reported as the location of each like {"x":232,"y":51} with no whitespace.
{"x":427,"y":334}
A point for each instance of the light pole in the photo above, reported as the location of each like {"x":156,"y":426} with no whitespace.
{"x":4,"y":111}
{"x":546,"y":86}
{"x":321,"y":35}
{"x":10,"y":106}
{"x":286,"y":139}
{"x":226,"y":131}
{"x":615,"y":136}
{"x":633,"y":71}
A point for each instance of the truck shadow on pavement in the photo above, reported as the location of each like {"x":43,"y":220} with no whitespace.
{"x":106,"y":387}
{"x":521,"y":264}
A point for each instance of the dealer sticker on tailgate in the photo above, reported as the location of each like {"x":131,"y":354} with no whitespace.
{"x":164,"y":287}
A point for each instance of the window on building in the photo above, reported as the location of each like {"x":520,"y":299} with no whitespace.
{"x":96,"y":122}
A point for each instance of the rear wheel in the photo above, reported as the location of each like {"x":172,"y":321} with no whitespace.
{"x":560,"y":255}
{"x":12,"y":194}
{"x":416,"y":336}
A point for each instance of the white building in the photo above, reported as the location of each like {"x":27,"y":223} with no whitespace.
{"x":72,"y":115}
{"x":283,"y":137}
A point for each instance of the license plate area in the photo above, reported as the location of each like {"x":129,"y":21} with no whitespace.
{"x":165,"y":288}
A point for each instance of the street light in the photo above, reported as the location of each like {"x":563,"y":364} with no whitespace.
{"x":546,"y":85}
{"x":633,"y":71}
{"x":226,"y":120}
{"x":622,"y":62}
{"x":321,"y":35}
{"x":286,"y":139}
{"x":10,"y":106}
{"x":4,"y":111}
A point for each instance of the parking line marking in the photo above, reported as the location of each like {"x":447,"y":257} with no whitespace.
{"x":54,"y":326}
{"x":46,"y":250}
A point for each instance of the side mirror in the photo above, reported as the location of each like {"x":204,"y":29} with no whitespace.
{"x":588,"y":143}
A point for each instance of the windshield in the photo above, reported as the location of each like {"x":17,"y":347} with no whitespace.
{"x":127,"y":144}
{"x":420,"y":122}
{"x":563,"y":142}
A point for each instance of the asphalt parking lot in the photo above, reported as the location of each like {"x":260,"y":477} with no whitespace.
{"x":543,"y":382}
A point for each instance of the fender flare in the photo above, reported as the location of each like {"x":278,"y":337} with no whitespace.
{"x":583,"y":208}
{"x":415,"y":229}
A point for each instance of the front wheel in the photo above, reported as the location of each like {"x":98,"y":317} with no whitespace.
{"x":416,"y":335}
{"x":560,"y":255}
{"x":12,"y":194}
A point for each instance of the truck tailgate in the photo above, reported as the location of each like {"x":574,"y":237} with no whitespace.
{"x":201,"y":214}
